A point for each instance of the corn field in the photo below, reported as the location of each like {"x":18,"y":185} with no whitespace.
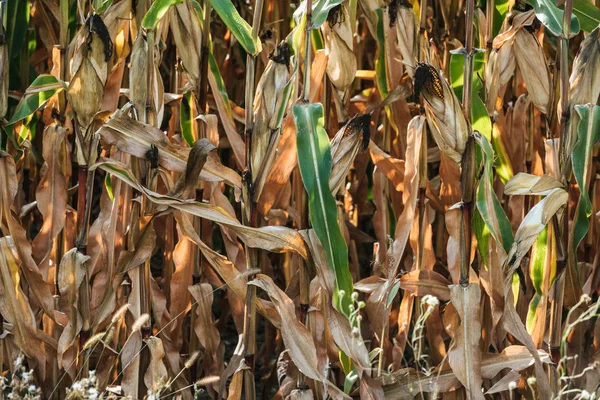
{"x":309,"y":199}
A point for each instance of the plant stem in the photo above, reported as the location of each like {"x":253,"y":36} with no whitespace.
{"x":468,"y":164}
{"x":562,"y":232}
{"x":307,"y":52}
{"x":249,"y":212}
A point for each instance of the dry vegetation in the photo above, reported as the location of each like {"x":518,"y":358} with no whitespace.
{"x":330,"y":198}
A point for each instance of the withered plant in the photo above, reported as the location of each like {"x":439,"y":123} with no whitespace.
{"x":299,"y":200}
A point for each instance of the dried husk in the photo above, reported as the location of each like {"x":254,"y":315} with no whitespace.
{"x":530,"y":58}
{"x":345,"y":145}
{"x":267,"y":103}
{"x":89,"y":72}
{"x":338,"y":33}
{"x":139,"y":90}
{"x":498,"y":70}
{"x":445,"y":116}
{"x":187,"y":35}
{"x":406,"y":30}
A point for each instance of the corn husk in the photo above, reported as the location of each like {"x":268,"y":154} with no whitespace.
{"x":267,"y":102}
{"x":445,"y":116}
{"x":406,"y":30}
{"x":530,"y":58}
{"x":498,"y":70}
{"x":89,"y":71}
{"x":338,"y":33}
{"x":187,"y":36}
{"x":345,"y":145}
{"x":140,"y":94}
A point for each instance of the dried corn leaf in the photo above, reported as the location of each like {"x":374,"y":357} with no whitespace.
{"x":70,"y":276}
{"x":426,"y":282}
{"x":137,"y":138}
{"x":272,"y":238}
{"x":51,"y":193}
{"x":408,"y":383}
{"x":533,"y":223}
{"x":15,"y":306}
{"x":296,"y":337}
{"x":528,"y":184}
{"x":464,"y":355}
{"x":156,"y":375}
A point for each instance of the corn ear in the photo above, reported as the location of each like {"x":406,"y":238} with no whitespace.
{"x":341,"y":65}
{"x":89,"y":69}
{"x":445,"y":116}
{"x":267,"y":102}
{"x":530,"y":58}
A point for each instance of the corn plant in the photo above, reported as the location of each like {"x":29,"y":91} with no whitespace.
{"x":299,"y":200}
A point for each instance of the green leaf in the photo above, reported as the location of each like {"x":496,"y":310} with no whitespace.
{"x":40,"y":91}
{"x":186,"y":119}
{"x":109,"y":188}
{"x":237,"y":25}
{"x":102,"y":5}
{"x":552,"y":17}
{"x":539,"y":260}
{"x":157,"y":11}
{"x":320,"y":11}
{"x":479,"y":116}
{"x":482,"y":233}
{"x":314,"y":159}
{"x":488,"y":205}
{"x":500,"y":11}
{"x":588,"y":134}
{"x":503,"y":166}
{"x":587,"y":13}
{"x":380,"y":68}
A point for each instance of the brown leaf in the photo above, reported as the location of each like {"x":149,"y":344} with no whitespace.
{"x":51,"y":193}
{"x":296,"y":337}
{"x":426,"y":282}
{"x":464,"y":355}
{"x":137,"y":138}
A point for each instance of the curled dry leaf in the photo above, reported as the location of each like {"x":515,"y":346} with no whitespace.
{"x":426,"y":282}
{"x":156,"y":375}
{"x":409,"y":383}
{"x":15,"y":308}
{"x":70,"y":276}
{"x":533,"y":223}
{"x":137,"y":138}
{"x":296,"y":337}
{"x":528,"y":184}
{"x":272,"y":238}
{"x":193,"y":169}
